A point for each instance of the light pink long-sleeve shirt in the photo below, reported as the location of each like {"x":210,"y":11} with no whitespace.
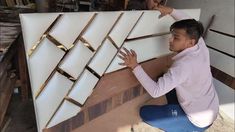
{"x":190,"y":75}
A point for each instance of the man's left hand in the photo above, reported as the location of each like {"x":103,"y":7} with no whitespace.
{"x":129,"y":58}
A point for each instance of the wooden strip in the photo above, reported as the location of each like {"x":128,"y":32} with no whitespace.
{"x":223,"y":77}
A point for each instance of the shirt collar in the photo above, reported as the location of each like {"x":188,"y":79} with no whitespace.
{"x":185,"y":51}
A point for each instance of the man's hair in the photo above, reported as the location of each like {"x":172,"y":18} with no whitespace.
{"x":193,"y":28}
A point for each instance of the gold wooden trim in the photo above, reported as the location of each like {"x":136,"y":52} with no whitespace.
{"x":148,"y":36}
{"x":44,"y":84}
{"x":93,"y":72}
{"x":111,"y":40}
{"x":57,"y":43}
{"x":123,"y":43}
{"x":31,"y":51}
{"x":85,"y":28}
{"x":71,"y":100}
{"x":62,"y":72}
{"x":55,"y":112}
{"x":35,"y":46}
{"x":87,"y":44}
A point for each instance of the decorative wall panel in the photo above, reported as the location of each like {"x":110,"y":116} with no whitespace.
{"x":68,"y":53}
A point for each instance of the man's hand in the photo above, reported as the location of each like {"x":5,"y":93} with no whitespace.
{"x":129,"y":58}
{"x":163,"y":9}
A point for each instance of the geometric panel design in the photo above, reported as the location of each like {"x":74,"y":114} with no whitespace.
{"x":83,"y":87}
{"x":67,"y":28}
{"x":99,"y":28}
{"x":102,"y":59}
{"x":42,"y":63}
{"x":30,"y":21}
{"x":76,"y":59}
{"x":68,"y":53}
{"x":153,"y":46}
{"x":66,"y":110}
{"x":48,"y":101}
{"x":156,"y":25}
{"x":124,"y":26}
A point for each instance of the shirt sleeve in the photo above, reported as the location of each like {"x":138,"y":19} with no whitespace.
{"x":175,"y":76}
{"x":179,"y":15}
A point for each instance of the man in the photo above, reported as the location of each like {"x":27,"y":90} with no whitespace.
{"x":189,"y":75}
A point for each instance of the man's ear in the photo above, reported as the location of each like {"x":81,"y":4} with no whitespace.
{"x":192,"y":42}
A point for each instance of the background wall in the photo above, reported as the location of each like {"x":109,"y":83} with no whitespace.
{"x":220,"y":41}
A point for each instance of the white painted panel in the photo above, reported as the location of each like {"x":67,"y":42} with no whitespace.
{"x":69,"y":26}
{"x":50,"y":98}
{"x":151,"y":24}
{"x":76,"y":60}
{"x":34,"y":25}
{"x":226,"y":98}
{"x":222,"y":62}
{"x":83,"y":87}
{"x":225,"y":19}
{"x":145,"y":49}
{"x":103,"y":58}
{"x":42,"y":62}
{"x":221,"y":42}
{"x":66,"y":111}
{"x":124,"y":26}
{"x":100,"y":27}
{"x":114,"y":65}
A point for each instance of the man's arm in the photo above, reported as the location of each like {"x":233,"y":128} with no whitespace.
{"x":176,"y":14}
{"x":175,"y":76}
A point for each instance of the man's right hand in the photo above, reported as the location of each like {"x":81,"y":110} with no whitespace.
{"x":163,"y":9}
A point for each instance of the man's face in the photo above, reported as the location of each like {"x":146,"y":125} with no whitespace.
{"x":179,"y":40}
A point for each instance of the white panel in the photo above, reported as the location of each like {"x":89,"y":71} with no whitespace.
{"x":124,"y":26}
{"x":224,"y":19}
{"x":103,"y":58}
{"x":221,"y":42}
{"x":222,"y":62}
{"x":145,"y":49}
{"x":193,"y":13}
{"x":66,"y":111}
{"x":226,"y":98}
{"x":34,"y":25}
{"x":100,"y":27}
{"x":151,"y":24}
{"x":42,"y":62}
{"x":68,"y":28}
{"x":50,"y":98}
{"x":83,"y":87}
{"x":114,"y":65}
{"x":76,"y":60}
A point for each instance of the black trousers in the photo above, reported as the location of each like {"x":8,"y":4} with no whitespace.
{"x":171,"y":97}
